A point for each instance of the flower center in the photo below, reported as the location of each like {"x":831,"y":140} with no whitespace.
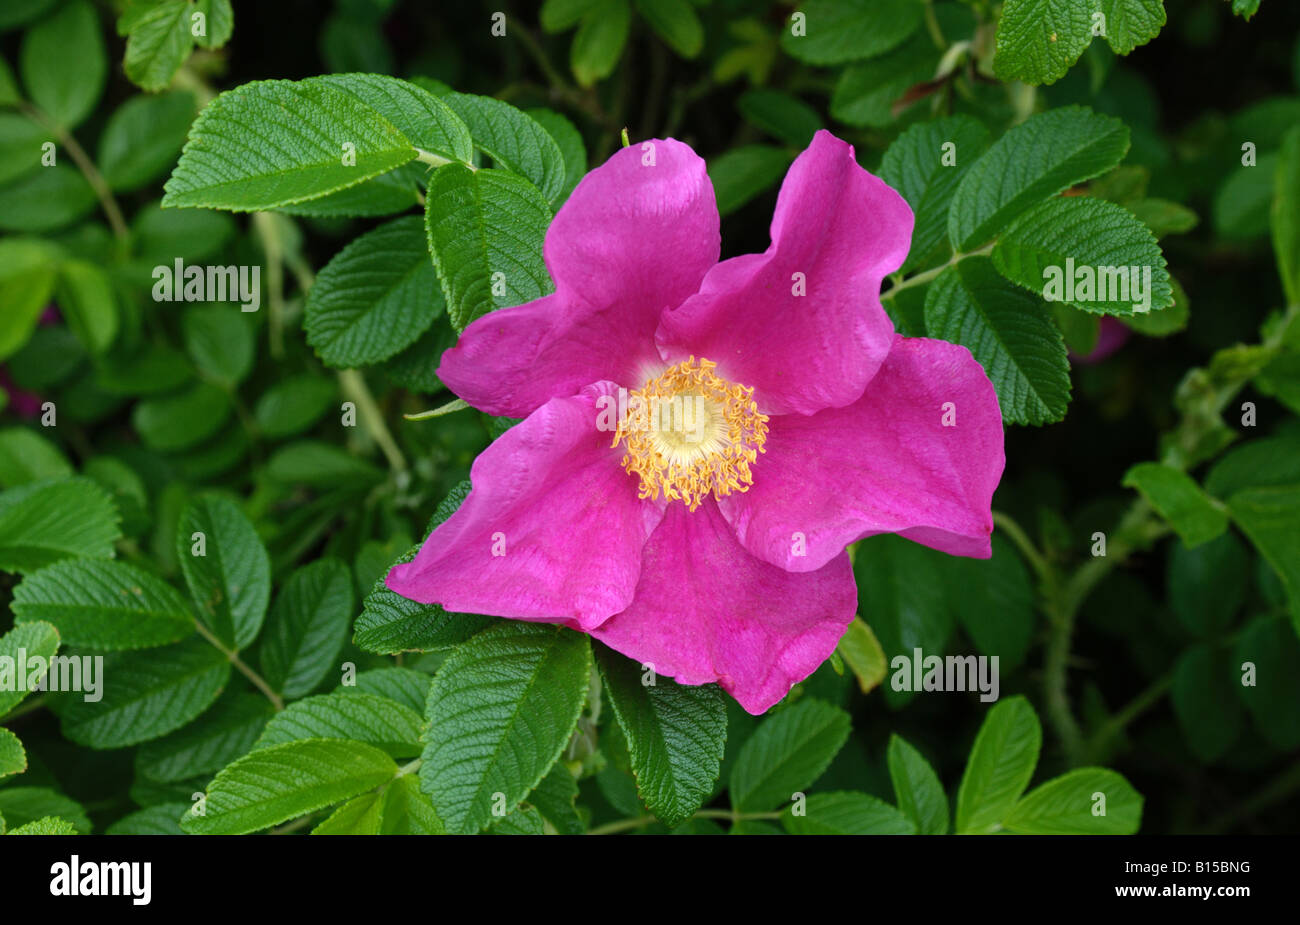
{"x":689,"y":432}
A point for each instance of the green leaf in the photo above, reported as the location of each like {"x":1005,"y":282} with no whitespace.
{"x":372,"y":300}
{"x":163,"y":819}
{"x":162,"y":235}
{"x":781,"y":115}
{"x":847,"y":30}
{"x":500,"y":711}
{"x":1207,"y":584}
{"x":995,"y":603}
{"x":407,"y":811}
{"x":1245,"y":8}
{"x":27,"y":273}
{"x":867,"y":91}
{"x":562,"y":15}
{"x":523,"y":821}
{"x":354,"y":715}
{"x":64,"y":64}
{"x":1130,"y":23}
{"x":861,"y":651}
{"x":404,"y":685}
{"x":1010,"y":334}
{"x":43,"y":522}
{"x":21,"y":806}
{"x":219,"y":341}
{"x":47,"y":825}
{"x":387,"y":194}
{"x":1088,"y":253}
{"x":571,"y":147}
{"x":427,"y":121}
{"x":1001,"y":763}
{"x":219,"y":25}
{"x":227,"y":569}
{"x":158,"y":44}
{"x":1042,"y":156}
{"x":921,"y":167}
{"x":1038,"y":40}
{"x":272,"y":143}
{"x":787,"y":754}
{"x":1272,"y":461}
{"x":676,"y":23}
{"x":600,"y":40}
{"x":310,"y":462}
{"x":1085,"y":801}
{"x":847,"y":813}
{"x":390,"y":623}
{"x":151,"y":693}
{"x":85,"y":295}
{"x":1163,"y":217}
{"x":1267,"y":666}
{"x":745,"y":172}
{"x":1207,"y":706}
{"x":485,"y":231}
{"x":363,"y":815}
{"x":1286,"y":216}
{"x":103,"y":604}
{"x":514,"y":140}
{"x":37,"y":640}
{"x":916,"y":787}
{"x":1242,"y":206}
{"x":1268,"y":516}
{"x":20,"y":145}
{"x":272,"y":785}
{"x":211,"y":742}
{"x":554,"y":798}
{"x":293,"y":405}
{"x":47,"y":200}
{"x":897,"y":590}
{"x":26,"y":456}
{"x":183,"y":419}
{"x":1193,"y":514}
{"x":307,"y":627}
{"x":13,"y":758}
{"x":675,"y":735}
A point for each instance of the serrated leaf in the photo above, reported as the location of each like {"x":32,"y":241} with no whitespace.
{"x":272,"y":785}
{"x":572,"y":148}
{"x":847,"y":813}
{"x":514,"y":140}
{"x":230,"y":581}
{"x":1042,"y":156}
{"x":360,"y":717}
{"x":1038,"y":40}
{"x":103,"y":604}
{"x":220,"y":23}
{"x":158,"y":44}
{"x":47,"y":825}
{"x":999,"y":768}
{"x":211,"y":742}
{"x":427,"y":121}
{"x":31,"y":810}
{"x":1130,"y":23}
{"x":554,"y":798}
{"x":1087,"y":253}
{"x":407,"y":811}
{"x":36,"y":640}
{"x":922,"y":167}
{"x":387,"y":194}
{"x":307,"y":627}
{"x":374,"y":298}
{"x":363,"y":815}
{"x":676,"y":735}
{"x":500,"y":711}
{"x":404,"y":685}
{"x":485,"y":231}
{"x":1071,"y":805}
{"x":1010,"y":334}
{"x":43,"y":522}
{"x":272,"y":143}
{"x":13,"y":758}
{"x":837,"y":31}
{"x":163,"y":819}
{"x":1178,"y":499}
{"x":151,"y":694}
{"x":916,"y":787}
{"x":787,"y":754}
{"x":64,"y":64}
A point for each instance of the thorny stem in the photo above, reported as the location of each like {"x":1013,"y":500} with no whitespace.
{"x":258,"y":681}
{"x":87,"y":168}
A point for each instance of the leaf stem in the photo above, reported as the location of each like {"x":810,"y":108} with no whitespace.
{"x":87,"y":167}
{"x":921,"y":279}
{"x":1017,"y":535}
{"x":258,"y":681}
{"x":355,"y":389}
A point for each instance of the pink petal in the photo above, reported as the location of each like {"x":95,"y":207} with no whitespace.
{"x":634,"y":239}
{"x":845,"y":230}
{"x":550,"y":495}
{"x":706,"y":610}
{"x":886,"y":464}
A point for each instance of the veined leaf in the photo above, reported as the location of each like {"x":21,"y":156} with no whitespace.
{"x":787,"y":754}
{"x":226,"y":567}
{"x":272,"y":143}
{"x":31,"y":808}
{"x":1001,"y":763}
{"x":272,"y":785}
{"x":847,"y":813}
{"x":427,"y":121}
{"x":513,"y":139}
{"x":675,"y":735}
{"x":368,"y":718}
{"x":208,"y":744}
{"x":1085,"y":801}
{"x":43,"y":522}
{"x":1190,"y":511}
{"x":37,"y":640}
{"x":837,"y":31}
{"x":13,"y":758}
{"x":307,"y":627}
{"x":500,"y":711}
{"x":916,"y":787}
{"x":103,"y":604}
{"x":64,"y":64}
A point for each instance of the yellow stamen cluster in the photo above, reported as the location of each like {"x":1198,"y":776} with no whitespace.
{"x":689,"y":432}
